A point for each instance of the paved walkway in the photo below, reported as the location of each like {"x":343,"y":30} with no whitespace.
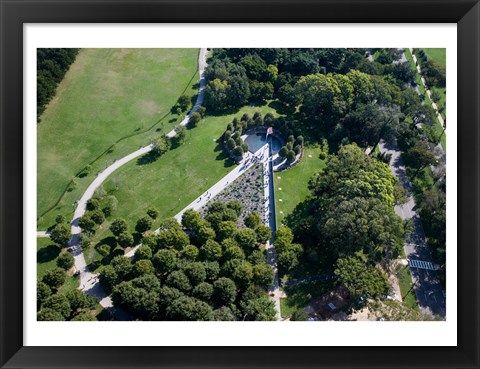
{"x":428,"y":290}
{"x":89,"y":281}
{"x":429,"y":94}
{"x":43,"y":234}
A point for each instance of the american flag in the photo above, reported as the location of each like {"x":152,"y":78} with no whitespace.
{"x":269,"y":130}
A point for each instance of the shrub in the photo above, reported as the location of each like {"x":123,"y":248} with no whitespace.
{"x":152,"y":212}
{"x":65,"y":261}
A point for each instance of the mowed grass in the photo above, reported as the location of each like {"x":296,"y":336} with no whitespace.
{"x":107,"y":94}
{"x":439,"y":55}
{"x":47,"y":255}
{"x":406,"y":288}
{"x":294,"y":182}
{"x":178,"y":177}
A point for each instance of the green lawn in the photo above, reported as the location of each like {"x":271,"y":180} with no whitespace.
{"x":47,"y":254}
{"x":439,"y":55}
{"x":406,"y":288}
{"x":175,"y":179}
{"x":108,"y":96}
{"x":300,"y":295}
{"x":294,"y":182}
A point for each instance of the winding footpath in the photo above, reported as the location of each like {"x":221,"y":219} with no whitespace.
{"x":89,"y":281}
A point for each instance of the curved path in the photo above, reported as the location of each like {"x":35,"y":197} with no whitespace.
{"x":89,"y":281}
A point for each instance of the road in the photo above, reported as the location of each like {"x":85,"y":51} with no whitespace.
{"x":428,"y":290}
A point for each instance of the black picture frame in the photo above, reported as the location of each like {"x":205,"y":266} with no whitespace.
{"x":14,"y":13}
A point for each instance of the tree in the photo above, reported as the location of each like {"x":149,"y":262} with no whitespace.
{"x":203,"y":232}
{"x":143,"y":267}
{"x":97,"y":216}
{"x":187,"y":308}
{"x":165,"y":261}
{"x":60,"y":234}
{"x":259,"y":309}
{"x":195,"y":272}
{"x":122,"y":266}
{"x":262,"y":275}
{"x":420,"y":157}
{"x":211,"y":251}
{"x":54,"y":278}
{"x":179,"y":138}
{"x":216,"y":95}
{"x":237,"y":151}
{"x":184,"y":102}
{"x":60,"y":219}
{"x":160,"y":145}
{"x":203,"y":291}
{"x":190,"y":253}
{"x":252,"y":220}
{"x":223,"y":314}
{"x":125,"y":239}
{"x":179,"y":280}
{"x":287,"y":261}
{"x":144,"y":224}
{"x":118,"y":226}
{"x":144,"y":252}
{"x":235,"y":206}
{"x":191,"y":219}
{"x":112,"y":204}
{"x":152,"y":212}
{"x":231,"y":250}
{"x":212,"y":268}
{"x":226,"y":229}
{"x":290,"y":155}
{"x":195,"y":118}
{"x":264,"y":233}
{"x":360,"y":279}
{"x":65,"y":261}
{"x":283,"y":152}
{"x":58,"y":303}
{"x":247,"y":239}
{"x":77,"y":299}
{"x":93,"y":204}
{"x":299,"y":315}
{"x":108,"y":278}
{"x":47,"y":314}
{"x":84,"y":317}
{"x":224,"y":291}
{"x":43,"y":292}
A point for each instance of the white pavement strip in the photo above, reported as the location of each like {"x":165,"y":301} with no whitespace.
{"x":420,"y":264}
{"x":89,"y":281}
{"x":218,"y":187}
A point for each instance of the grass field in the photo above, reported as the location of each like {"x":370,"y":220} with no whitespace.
{"x":47,"y":255}
{"x":107,"y":94}
{"x":439,"y":55}
{"x":175,"y":179}
{"x":294,"y":182}
{"x":406,"y":288}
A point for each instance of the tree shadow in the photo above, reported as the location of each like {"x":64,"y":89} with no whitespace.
{"x":110,"y":241}
{"x":280,"y":108}
{"x":48,"y":253}
{"x":148,"y":158}
{"x":137,"y":238}
{"x":172,"y":120}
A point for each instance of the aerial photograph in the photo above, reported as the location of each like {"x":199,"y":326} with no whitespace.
{"x":241,"y":184}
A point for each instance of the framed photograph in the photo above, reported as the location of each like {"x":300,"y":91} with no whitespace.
{"x":227,"y":184}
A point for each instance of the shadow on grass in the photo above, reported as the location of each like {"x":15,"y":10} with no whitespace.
{"x":172,"y":120}
{"x":280,"y":108}
{"x":148,"y":158}
{"x":48,"y":253}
